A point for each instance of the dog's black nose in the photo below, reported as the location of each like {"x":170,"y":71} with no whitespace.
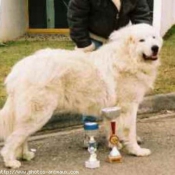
{"x":155,"y":48}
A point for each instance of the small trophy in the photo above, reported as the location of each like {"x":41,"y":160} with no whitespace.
{"x":114,"y":155}
{"x":92,"y":148}
{"x":111,"y":114}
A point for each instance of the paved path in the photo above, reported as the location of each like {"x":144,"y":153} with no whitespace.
{"x":64,"y":153}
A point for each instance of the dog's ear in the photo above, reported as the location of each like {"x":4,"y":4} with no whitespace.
{"x":122,"y":34}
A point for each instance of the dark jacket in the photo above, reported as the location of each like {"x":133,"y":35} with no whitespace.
{"x":101,"y":17}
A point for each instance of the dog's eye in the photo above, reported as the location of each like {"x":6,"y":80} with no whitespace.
{"x":141,"y":40}
{"x":154,"y":37}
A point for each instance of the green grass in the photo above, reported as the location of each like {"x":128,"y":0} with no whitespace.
{"x":170,"y":33}
{"x":14,"y":51}
{"x":166,"y":79}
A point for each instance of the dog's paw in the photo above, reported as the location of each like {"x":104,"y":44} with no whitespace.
{"x":28,"y":155}
{"x":140,"y":152}
{"x":13,"y":164}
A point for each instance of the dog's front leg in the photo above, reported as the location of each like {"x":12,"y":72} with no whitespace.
{"x":127,"y":129}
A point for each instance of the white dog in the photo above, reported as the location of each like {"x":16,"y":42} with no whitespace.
{"x":52,"y":81}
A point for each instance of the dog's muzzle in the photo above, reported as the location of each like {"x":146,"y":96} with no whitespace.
{"x":154,"y":56}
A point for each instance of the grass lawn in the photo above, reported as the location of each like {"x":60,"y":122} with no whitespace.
{"x":14,"y":51}
{"x":166,"y":79}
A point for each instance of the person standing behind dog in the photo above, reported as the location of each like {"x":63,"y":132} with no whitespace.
{"x":92,"y":21}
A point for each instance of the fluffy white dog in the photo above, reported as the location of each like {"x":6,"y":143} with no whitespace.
{"x":52,"y":81}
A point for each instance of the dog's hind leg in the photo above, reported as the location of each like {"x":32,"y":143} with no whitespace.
{"x":27,"y":155}
{"x":24,"y":127}
{"x":23,"y":152}
{"x":127,"y":130}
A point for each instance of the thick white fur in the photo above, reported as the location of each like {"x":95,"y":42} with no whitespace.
{"x":52,"y":81}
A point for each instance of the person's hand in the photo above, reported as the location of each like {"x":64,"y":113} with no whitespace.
{"x":89,"y":48}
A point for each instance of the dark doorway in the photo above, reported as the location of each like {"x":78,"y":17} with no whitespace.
{"x":48,"y":13}
{"x":37,"y":14}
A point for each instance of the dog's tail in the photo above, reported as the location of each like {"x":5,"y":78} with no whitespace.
{"x":6,"y":119}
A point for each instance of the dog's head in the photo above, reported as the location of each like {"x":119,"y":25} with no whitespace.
{"x":142,"y":41}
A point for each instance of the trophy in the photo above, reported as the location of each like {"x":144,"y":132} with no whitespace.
{"x":111,"y":114}
{"x":91,"y":130}
{"x":114,"y":155}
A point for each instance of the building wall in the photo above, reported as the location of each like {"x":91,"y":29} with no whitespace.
{"x":13,"y":19}
{"x":14,"y":22}
{"x":168,"y":17}
{"x":164,"y":15}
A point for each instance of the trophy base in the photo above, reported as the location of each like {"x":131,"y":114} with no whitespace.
{"x":111,"y":159}
{"x":94,"y":164}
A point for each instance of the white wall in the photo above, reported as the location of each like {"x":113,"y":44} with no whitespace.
{"x":13,"y":17}
{"x":13,"y":20}
{"x":0,"y":13}
{"x":164,"y":15}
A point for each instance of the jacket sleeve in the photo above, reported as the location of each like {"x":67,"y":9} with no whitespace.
{"x":78,"y":12}
{"x":141,"y":13}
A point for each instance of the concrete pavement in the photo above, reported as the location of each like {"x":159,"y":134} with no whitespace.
{"x":64,"y":152}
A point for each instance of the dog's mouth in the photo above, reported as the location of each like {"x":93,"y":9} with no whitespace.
{"x":153,"y":57}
